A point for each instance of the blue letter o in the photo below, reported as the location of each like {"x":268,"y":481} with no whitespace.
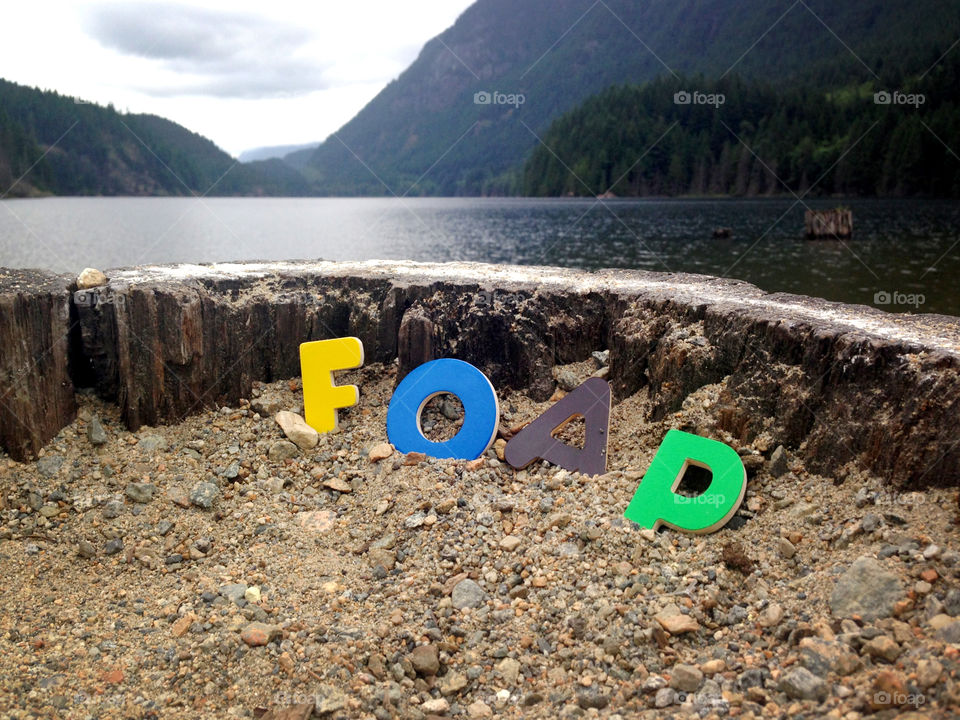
{"x":480,"y":409}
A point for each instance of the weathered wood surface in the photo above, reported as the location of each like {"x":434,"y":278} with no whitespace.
{"x":828,"y":223}
{"x":36,"y":393}
{"x":836,"y":384}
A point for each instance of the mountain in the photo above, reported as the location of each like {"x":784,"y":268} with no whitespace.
{"x":60,"y":145}
{"x":274,"y":151}
{"x":429,"y":132}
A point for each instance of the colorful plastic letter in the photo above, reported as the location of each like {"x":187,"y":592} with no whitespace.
{"x":321,"y":398}
{"x":481,"y":411}
{"x":591,"y":400}
{"x":655,"y":501}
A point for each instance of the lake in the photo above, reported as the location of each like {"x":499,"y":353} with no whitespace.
{"x":904,"y":256}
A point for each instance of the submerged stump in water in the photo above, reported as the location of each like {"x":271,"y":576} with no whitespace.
{"x":828,"y":223}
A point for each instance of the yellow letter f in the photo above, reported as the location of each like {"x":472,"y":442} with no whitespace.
{"x":321,"y":398}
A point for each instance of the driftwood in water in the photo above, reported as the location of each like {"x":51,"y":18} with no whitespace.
{"x":828,"y":223}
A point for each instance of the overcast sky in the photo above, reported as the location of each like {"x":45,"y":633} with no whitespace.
{"x":245,"y":74}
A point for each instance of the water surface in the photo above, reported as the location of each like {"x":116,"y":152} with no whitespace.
{"x":906,"y":252}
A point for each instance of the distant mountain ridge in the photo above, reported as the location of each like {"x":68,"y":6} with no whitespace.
{"x":425,"y":134}
{"x":273,"y":151}
{"x":54,"y":144}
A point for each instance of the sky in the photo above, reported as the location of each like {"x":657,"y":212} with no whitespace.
{"x":244,"y":74}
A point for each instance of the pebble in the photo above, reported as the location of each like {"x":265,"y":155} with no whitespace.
{"x":282,"y":450}
{"x":509,"y":670}
{"x":113,"y":546}
{"x":86,"y":549}
{"x":233,"y":592}
{"x":90,"y":278}
{"x":453,"y":682}
{"x":425,"y":659}
{"x":771,"y":616}
{"x":380,"y":451}
{"x":866,"y":589}
{"x":49,"y":465}
{"x":882,"y":648}
{"x":257,"y":634}
{"x":786,"y":548}
{"x":479,"y":710}
{"x":675,"y":622}
{"x":929,"y":671}
{"x":297,"y":430}
{"x":95,"y":432}
{"x":140,"y":492}
{"x":510,"y":543}
{"x":567,"y":379}
{"x":800,"y":684}
{"x":778,"y":462}
{"x":204,"y":495}
{"x":467,"y":594}
{"x":340,"y":486}
{"x":665,"y":697}
{"x":437,"y":706}
{"x":685,"y":677}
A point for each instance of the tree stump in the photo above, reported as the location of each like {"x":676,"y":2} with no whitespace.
{"x":828,"y":223}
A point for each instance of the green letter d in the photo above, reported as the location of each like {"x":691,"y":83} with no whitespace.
{"x":655,"y":501}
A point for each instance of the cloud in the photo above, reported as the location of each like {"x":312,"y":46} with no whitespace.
{"x":211,"y":52}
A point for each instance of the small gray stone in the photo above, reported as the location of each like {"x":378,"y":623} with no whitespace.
{"x":414,"y":521}
{"x":951,"y":602}
{"x":592,"y":698}
{"x":86,"y":549}
{"x":870,"y":522}
{"x":665,"y":697}
{"x":282,"y":450}
{"x":95,"y":432}
{"x":467,"y":594}
{"x":140,"y":492}
{"x":866,"y":589}
{"x":163,"y":527}
{"x":567,"y":379}
{"x":234,"y":593}
{"x":801,"y":684}
{"x":204,"y":494}
{"x":601,"y":356}
{"x":151,"y":443}
{"x":778,"y":462}
{"x":113,"y":546}
{"x":863,"y":498}
{"x":50,"y":465}
{"x":112,"y":509}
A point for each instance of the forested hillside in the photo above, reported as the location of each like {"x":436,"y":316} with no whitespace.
{"x":76,"y":148}
{"x":763,"y":139}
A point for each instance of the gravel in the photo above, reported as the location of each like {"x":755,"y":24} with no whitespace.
{"x":214,"y":569}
